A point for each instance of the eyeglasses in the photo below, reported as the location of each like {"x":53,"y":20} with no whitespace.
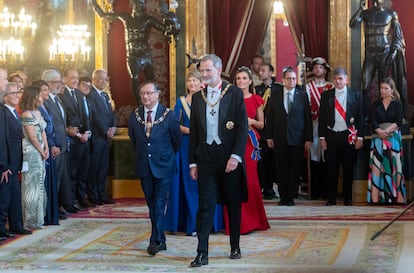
{"x":15,"y":93}
{"x":148,"y":93}
{"x":290,"y":79}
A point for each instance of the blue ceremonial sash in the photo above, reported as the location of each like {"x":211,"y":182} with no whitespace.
{"x":255,"y":142}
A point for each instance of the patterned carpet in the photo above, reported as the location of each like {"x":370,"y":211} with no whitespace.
{"x":304,"y":210}
{"x":119,"y":245}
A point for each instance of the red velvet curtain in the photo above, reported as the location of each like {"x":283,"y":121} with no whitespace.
{"x":236,"y":30}
{"x":309,"y":17}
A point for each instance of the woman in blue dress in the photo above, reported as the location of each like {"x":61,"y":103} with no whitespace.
{"x":52,"y":214}
{"x":183,"y":197}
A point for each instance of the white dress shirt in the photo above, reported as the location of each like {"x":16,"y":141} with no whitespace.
{"x":340,"y":124}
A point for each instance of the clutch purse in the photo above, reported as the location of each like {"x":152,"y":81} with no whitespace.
{"x":383,"y":126}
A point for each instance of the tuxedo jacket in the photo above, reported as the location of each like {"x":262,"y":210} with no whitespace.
{"x":102,"y":116}
{"x":59,"y":124}
{"x":291,"y":129}
{"x":232,"y":128}
{"x":155,"y":154}
{"x":354,"y":111}
{"x":14,"y":142}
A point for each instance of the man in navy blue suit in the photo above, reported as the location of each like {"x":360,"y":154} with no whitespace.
{"x":155,"y":133}
{"x":10,"y":192}
{"x":103,"y":129}
{"x":341,"y":122}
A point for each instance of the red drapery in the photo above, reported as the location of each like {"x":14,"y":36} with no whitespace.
{"x":309,"y":17}
{"x":236,"y":30}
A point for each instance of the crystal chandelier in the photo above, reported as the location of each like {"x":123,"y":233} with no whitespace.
{"x":14,"y":29}
{"x":71,"y":47}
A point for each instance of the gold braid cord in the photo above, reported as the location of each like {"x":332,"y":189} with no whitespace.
{"x":221,"y":96}
{"x":148,"y":126}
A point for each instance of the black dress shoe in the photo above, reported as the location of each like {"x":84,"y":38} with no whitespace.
{"x":86,"y":203}
{"x":269,"y":197}
{"x":79,"y":207}
{"x":62,"y":211}
{"x":154,"y":248}
{"x":108,"y":201}
{"x":21,"y":231}
{"x":71,"y":209}
{"x":199,"y":260}
{"x":6,"y":235}
{"x":330,"y":203}
{"x":291,"y":203}
{"x":283,"y":203}
{"x":347,"y":203}
{"x":98,"y":203}
{"x":235,"y":254}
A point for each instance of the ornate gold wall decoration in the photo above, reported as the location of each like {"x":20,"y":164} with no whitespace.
{"x":101,"y":31}
{"x":340,"y":34}
{"x":173,"y":71}
{"x":196,"y":26}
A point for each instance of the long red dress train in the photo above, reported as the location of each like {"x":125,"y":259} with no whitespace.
{"x":253,"y":214}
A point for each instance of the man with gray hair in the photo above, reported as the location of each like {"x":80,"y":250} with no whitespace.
{"x":103,"y":129}
{"x":218,"y":136}
{"x":11,"y":153}
{"x":59,"y":150}
{"x":341,"y":122}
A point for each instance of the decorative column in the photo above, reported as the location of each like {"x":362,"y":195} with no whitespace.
{"x":340,"y":34}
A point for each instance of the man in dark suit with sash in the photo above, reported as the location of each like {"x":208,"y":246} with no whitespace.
{"x":341,"y":121}
{"x":218,"y":135}
{"x":155,"y":134}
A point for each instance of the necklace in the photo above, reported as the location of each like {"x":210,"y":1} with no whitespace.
{"x":148,"y":125}
{"x":221,"y":96}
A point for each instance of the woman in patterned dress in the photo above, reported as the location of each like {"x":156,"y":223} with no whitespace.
{"x":386,"y":179}
{"x":35,"y":152}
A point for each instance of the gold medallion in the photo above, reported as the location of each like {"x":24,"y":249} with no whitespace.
{"x":229,"y":125}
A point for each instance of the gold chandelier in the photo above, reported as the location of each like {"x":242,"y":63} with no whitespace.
{"x":71,"y":47}
{"x":13,"y":31}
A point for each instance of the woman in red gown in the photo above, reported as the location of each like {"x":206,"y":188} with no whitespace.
{"x":253,"y":214}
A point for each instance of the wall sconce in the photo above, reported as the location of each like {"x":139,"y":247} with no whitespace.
{"x":71,"y":48}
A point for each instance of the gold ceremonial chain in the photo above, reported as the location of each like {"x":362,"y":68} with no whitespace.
{"x":221,"y":96}
{"x":149,"y":126}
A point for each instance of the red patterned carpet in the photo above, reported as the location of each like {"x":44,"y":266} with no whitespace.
{"x":304,"y":210}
